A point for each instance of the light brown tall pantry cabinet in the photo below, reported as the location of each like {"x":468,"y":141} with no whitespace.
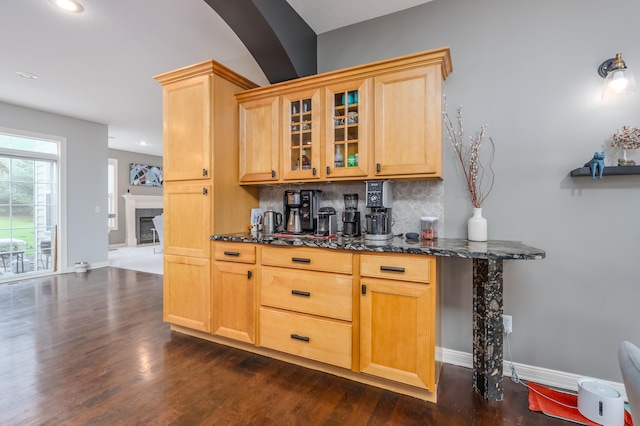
{"x":201,"y":191}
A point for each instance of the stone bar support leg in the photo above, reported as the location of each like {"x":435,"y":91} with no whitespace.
{"x":487,"y":328}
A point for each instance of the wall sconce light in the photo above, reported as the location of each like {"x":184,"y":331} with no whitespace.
{"x":618,"y":78}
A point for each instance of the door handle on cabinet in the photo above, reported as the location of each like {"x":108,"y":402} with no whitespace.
{"x":273,"y":173}
{"x":328,"y":170}
{"x":232,"y":253}
{"x":300,"y":260}
{"x":301,"y":293}
{"x":314,"y":171}
{"x":249,"y":274}
{"x":205,"y":172}
{"x":378,"y":167}
{"x":205,"y":191}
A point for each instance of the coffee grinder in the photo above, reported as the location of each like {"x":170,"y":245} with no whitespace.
{"x":351,"y":216}
{"x":378,"y":220}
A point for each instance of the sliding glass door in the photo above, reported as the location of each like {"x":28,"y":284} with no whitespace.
{"x":28,"y":206}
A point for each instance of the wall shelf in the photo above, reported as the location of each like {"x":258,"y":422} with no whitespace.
{"x":608,"y":171}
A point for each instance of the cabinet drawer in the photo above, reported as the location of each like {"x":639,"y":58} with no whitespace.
{"x":405,"y":268}
{"x":235,"y":252}
{"x":316,"y":293}
{"x":319,"y":339}
{"x":310,"y":259}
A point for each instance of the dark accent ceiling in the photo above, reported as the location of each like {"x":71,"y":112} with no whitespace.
{"x":281,"y":42}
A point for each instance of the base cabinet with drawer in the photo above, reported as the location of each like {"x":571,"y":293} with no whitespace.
{"x":234,"y":291}
{"x":397,"y":318}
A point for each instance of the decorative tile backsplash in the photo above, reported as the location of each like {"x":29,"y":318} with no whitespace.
{"x":411,"y":199}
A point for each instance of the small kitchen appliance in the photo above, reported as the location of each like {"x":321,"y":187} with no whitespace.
{"x":379,"y":199}
{"x":351,"y":216}
{"x":271,"y":222}
{"x":301,"y":207}
{"x":327,"y":222}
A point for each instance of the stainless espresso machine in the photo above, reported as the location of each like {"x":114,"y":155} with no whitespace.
{"x":379,"y":199}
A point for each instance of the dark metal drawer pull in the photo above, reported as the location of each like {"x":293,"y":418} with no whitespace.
{"x":301,"y":293}
{"x":391,"y":269}
{"x":300,"y":260}
{"x":298,"y":337}
{"x":232,"y":253}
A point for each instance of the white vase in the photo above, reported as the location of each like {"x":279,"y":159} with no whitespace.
{"x":477,"y":226}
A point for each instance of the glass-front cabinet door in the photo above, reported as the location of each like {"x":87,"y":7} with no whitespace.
{"x":301,"y":114}
{"x":348,"y":127}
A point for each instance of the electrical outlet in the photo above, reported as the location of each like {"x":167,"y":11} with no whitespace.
{"x":507,"y":324}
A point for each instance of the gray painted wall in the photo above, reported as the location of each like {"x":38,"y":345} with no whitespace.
{"x":528,"y":71}
{"x":86,"y":178}
{"x":124,"y":159}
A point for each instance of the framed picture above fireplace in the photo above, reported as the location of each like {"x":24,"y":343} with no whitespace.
{"x":145,"y":175}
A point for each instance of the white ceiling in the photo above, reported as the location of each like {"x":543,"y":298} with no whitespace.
{"x":98,"y":65}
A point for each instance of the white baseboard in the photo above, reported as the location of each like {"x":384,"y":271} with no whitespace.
{"x":543,"y":376}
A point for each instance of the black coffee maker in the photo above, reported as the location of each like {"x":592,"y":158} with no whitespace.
{"x":351,"y":216}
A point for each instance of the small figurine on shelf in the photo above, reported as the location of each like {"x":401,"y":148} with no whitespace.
{"x":596,"y":164}
{"x":627,"y":138}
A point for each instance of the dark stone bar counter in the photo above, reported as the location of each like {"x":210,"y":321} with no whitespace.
{"x":487,"y":259}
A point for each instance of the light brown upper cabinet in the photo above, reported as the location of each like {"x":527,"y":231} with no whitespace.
{"x":377,"y":120}
{"x":301,"y":114}
{"x":349,"y":127}
{"x":186,"y":129}
{"x":259,"y":140}
{"x":408,"y":117}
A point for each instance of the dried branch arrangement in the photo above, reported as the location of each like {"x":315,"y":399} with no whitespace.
{"x":469,"y":157}
{"x":627,"y":138}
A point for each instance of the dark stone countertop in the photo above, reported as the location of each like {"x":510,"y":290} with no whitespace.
{"x":446,"y":247}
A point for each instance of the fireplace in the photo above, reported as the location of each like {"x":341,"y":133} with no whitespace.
{"x":144,"y":225}
{"x":149,"y":203}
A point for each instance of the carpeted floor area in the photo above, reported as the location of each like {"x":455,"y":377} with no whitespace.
{"x":143,"y":258}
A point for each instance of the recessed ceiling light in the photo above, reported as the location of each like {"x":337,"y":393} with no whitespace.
{"x":143,"y":143}
{"x":68,"y":5}
{"x":26,"y":75}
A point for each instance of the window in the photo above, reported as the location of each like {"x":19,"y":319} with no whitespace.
{"x":112,"y":192}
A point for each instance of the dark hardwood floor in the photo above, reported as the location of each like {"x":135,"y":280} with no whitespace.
{"x":91,"y":349}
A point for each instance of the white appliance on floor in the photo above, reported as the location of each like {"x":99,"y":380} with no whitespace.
{"x":600,"y":403}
